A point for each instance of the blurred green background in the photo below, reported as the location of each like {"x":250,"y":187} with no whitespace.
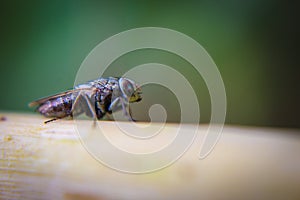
{"x":253,"y":44}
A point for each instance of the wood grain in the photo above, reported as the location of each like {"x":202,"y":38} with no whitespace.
{"x":48,"y":161}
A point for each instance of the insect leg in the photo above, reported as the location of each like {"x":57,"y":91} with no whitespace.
{"x":100,"y":111}
{"x":90,"y":108}
{"x":126,"y":113}
{"x":88,"y":102}
{"x":75,"y":103}
{"x":130,"y":114}
{"x":114,"y":105}
{"x":51,"y":120}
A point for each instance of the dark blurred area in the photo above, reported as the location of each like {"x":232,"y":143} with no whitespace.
{"x":253,"y":43}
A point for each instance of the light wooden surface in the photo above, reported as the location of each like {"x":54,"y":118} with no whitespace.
{"x":48,"y":161}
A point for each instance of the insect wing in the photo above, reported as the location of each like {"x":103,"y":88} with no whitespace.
{"x":43,"y":100}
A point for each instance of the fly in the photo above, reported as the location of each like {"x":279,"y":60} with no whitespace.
{"x":97,"y":99}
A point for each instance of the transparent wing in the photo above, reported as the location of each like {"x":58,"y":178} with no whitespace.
{"x":43,"y":100}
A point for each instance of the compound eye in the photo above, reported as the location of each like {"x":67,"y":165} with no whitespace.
{"x":127,"y":87}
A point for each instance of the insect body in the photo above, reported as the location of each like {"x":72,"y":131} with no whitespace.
{"x":96,"y":99}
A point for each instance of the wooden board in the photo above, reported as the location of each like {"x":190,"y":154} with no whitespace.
{"x":48,"y":161}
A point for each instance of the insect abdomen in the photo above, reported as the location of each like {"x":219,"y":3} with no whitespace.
{"x":59,"y":107}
